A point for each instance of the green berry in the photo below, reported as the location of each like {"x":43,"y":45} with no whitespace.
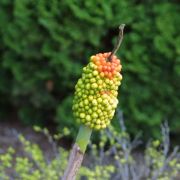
{"x":90,"y":98}
{"x":86,"y":102}
{"x":94,"y":115}
{"x":94,"y":102}
{"x":99,"y":100}
{"x":95,"y":73}
{"x":82,"y":115}
{"x":88,"y":118}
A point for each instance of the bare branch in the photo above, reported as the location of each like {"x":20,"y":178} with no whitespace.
{"x":118,"y":43}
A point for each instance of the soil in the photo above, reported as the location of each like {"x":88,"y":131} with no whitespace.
{"x":9,"y":132}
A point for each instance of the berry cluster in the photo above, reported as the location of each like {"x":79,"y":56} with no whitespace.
{"x":96,"y":93}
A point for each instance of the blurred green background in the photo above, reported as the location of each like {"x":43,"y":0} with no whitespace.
{"x":44,"y":45}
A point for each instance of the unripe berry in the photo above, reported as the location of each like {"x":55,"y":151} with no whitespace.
{"x":95,"y":73}
{"x":88,"y":117}
{"x":94,"y":102}
{"x":92,"y":80}
{"x":90,"y":98}
{"x":82,"y":115}
{"x":88,"y":86}
{"x":86,"y":102}
{"x":94,"y":85}
{"x":99,"y":100}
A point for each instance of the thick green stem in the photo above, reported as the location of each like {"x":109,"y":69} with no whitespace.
{"x":77,"y":153}
{"x":83,"y":137}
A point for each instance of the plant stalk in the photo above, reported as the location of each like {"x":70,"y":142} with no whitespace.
{"x":84,"y":134}
{"x":83,"y":137}
{"x":77,"y":153}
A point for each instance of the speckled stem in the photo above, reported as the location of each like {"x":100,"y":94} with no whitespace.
{"x":77,"y":153}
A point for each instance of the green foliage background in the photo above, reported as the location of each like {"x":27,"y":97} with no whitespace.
{"x":45,"y":44}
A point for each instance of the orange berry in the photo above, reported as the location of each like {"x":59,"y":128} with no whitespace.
{"x":98,"y":63}
{"x":108,"y":64}
{"x":100,"y":68}
{"x":104,"y":68}
{"x":108,"y":68}
{"x":118,"y":68}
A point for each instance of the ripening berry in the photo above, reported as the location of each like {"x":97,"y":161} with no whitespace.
{"x":96,"y":93}
{"x":94,"y":85}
